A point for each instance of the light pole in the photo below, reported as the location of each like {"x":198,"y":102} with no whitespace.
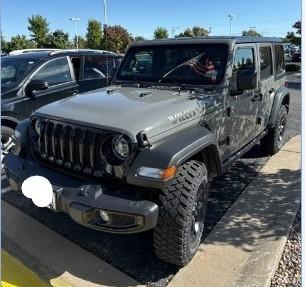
{"x":75,"y":19}
{"x":230,"y":16}
{"x":105,"y":12}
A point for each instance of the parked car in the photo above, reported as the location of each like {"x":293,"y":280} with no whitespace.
{"x":138,"y":155}
{"x":296,"y":57}
{"x":33,"y":78}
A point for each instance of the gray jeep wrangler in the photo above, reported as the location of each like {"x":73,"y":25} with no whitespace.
{"x":139,"y":154}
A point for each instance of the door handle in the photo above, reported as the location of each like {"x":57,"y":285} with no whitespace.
{"x":73,"y":92}
{"x":257,"y":97}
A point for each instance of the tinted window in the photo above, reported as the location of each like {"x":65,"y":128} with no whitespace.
{"x":265,"y":62}
{"x":279,"y":59}
{"x":54,"y":72}
{"x":14,"y":69}
{"x":98,"y":67}
{"x":244,"y":59}
{"x":202,"y":64}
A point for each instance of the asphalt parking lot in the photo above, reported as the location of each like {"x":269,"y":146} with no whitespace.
{"x":133,"y":254}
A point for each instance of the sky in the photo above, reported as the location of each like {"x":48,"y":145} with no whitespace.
{"x":141,"y":17}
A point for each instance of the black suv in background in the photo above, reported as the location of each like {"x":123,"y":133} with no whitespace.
{"x":31,"y":80}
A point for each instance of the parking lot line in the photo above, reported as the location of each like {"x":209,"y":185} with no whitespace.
{"x":16,"y":274}
{"x":53,"y":257}
{"x":246,"y":245}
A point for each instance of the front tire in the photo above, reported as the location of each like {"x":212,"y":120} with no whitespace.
{"x":182,"y":212}
{"x":276,"y":136}
{"x":7,"y":143}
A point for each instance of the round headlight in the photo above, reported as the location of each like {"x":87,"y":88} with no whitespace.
{"x":121,"y":147}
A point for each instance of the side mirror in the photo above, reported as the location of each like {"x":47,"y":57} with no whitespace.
{"x":246,"y":80}
{"x":36,"y":85}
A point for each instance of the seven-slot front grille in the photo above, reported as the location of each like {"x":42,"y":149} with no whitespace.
{"x":71,"y":147}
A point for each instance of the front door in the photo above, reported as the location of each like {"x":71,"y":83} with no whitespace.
{"x":242,"y":106}
{"x":61,"y":80}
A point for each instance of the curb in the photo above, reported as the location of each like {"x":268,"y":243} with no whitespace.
{"x":14,"y":273}
{"x":245,"y":247}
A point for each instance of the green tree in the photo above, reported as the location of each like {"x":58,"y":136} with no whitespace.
{"x":39,"y":28}
{"x":297,"y":25}
{"x":293,"y":37}
{"x":20,"y":42}
{"x":251,"y":32}
{"x":139,"y":39}
{"x":94,"y":34}
{"x":58,"y":40}
{"x":196,"y":31}
{"x":116,"y":39}
{"x":160,"y":33}
{"x":4,"y":46}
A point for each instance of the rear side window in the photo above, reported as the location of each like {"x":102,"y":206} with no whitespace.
{"x":265,"y":62}
{"x":98,"y":67}
{"x":279,"y":59}
{"x":54,"y":72}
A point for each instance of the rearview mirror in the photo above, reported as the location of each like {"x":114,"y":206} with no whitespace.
{"x":36,"y":85}
{"x":246,"y":80}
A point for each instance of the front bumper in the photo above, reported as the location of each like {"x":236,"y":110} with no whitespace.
{"x":123,"y":211}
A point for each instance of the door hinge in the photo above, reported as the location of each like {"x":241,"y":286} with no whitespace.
{"x":259,"y":121}
{"x":228,"y":111}
{"x":225,"y":141}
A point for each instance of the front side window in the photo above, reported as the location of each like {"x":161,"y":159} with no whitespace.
{"x":14,"y":70}
{"x":279,"y":59}
{"x":54,"y":72}
{"x":266,"y":66}
{"x":196,"y":64}
{"x":98,"y":67}
{"x":244,"y":59}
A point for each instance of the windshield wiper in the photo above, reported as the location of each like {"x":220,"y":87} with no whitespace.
{"x":177,"y":67}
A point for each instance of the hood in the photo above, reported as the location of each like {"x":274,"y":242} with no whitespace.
{"x":131,"y":110}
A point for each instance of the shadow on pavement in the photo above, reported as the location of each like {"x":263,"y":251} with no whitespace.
{"x":278,"y":194}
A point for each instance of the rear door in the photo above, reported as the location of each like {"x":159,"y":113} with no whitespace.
{"x":60,"y":76}
{"x":267,"y":85}
{"x":96,"y":72}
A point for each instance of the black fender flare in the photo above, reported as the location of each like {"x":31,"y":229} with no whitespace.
{"x":9,"y":119}
{"x":173,"y":150}
{"x":282,"y":96}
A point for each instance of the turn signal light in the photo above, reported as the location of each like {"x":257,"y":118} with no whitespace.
{"x":169,"y":172}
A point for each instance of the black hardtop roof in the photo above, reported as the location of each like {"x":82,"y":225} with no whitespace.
{"x":210,"y":40}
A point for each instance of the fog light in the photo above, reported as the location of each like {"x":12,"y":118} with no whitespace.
{"x":104,"y":216}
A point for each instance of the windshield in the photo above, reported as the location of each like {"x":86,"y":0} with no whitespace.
{"x":14,"y":69}
{"x":199,"y":64}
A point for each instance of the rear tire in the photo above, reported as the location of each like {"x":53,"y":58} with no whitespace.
{"x":276,"y":136}
{"x":182,"y":212}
